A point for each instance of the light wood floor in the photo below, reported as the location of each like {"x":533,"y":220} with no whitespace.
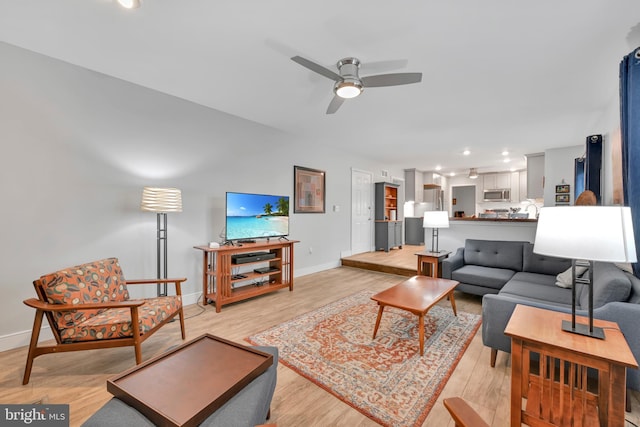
{"x":79,"y":378}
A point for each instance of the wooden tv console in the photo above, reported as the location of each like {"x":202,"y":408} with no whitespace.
{"x":220,"y":283}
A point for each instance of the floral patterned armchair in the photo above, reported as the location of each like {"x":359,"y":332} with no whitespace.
{"x":88,"y":307}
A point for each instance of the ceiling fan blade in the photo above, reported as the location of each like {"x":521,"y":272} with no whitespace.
{"x":335,"y":103}
{"x":391,"y":79}
{"x":317,"y":68}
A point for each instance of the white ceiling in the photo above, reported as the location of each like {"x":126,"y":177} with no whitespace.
{"x":497,"y":74}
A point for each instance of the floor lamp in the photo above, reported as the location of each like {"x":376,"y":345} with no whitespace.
{"x":585,"y":234}
{"x":161,"y":201}
{"x":435,"y":220}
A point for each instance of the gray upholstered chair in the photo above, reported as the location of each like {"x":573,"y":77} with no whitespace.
{"x":249,"y":408}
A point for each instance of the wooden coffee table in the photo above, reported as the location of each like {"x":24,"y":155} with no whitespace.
{"x":416,"y":295}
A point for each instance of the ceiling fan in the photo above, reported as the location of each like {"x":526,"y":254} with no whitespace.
{"x":349,"y":84}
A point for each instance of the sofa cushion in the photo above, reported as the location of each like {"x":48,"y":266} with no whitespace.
{"x":634,"y":296}
{"x":494,"y":253}
{"x":537,"y":287}
{"x":609,"y":284}
{"x":535,"y":263}
{"x":482,"y":276}
{"x":94,"y":282}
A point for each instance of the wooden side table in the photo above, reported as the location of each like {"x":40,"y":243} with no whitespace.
{"x":556,"y":392}
{"x":433,"y":259}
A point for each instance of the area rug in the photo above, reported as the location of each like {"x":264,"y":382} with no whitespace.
{"x":386,"y":379}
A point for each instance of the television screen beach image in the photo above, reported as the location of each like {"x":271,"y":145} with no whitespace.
{"x":255,"y":216}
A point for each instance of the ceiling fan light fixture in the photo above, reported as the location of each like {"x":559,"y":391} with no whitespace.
{"x":348,"y":89}
{"x":473,"y":173}
{"x":129,"y":4}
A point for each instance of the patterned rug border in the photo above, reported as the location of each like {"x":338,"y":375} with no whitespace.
{"x":423,"y":415}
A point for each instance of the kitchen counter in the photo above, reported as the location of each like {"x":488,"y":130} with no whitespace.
{"x":461,"y":229}
{"x":494,"y":219}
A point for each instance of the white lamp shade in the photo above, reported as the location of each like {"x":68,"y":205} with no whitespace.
{"x":161,"y":200}
{"x":436,"y":219}
{"x":594,"y":233}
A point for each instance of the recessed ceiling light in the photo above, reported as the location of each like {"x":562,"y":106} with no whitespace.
{"x":452,"y":174}
{"x":129,"y":4}
{"x":505,"y":153}
{"x":507,"y":160}
{"x":466,"y":152}
{"x":438,"y":167}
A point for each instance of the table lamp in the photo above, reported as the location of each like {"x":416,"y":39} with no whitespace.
{"x":435,"y":220}
{"x":585,"y":234}
{"x":161,"y":201}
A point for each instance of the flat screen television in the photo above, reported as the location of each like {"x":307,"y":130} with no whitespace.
{"x":256,"y":216}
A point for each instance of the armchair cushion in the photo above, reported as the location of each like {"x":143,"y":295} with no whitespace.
{"x":116,"y":322}
{"x":98,"y":281}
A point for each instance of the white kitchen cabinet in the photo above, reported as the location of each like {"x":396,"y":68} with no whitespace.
{"x":523,"y":186}
{"x":515,"y":187}
{"x":535,"y":175}
{"x":493,"y":181}
{"x":414,"y":185}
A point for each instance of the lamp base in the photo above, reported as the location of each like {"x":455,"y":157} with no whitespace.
{"x":582,"y":329}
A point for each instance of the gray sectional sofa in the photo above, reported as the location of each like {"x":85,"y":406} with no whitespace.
{"x":509,"y":273}
{"x":485,"y":266}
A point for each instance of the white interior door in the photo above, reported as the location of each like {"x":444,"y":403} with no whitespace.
{"x":361,"y":211}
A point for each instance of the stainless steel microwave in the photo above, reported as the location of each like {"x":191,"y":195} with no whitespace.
{"x":498,"y":195}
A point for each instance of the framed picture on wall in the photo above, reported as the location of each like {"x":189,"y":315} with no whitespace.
{"x":564,"y":188}
{"x":308,"y":190}
{"x":562,"y":198}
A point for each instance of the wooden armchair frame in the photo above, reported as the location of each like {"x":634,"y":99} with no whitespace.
{"x":44,"y":308}
{"x":463,"y":414}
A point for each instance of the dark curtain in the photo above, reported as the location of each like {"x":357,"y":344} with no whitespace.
{"x":593,"y":166}
{"x":630,"y":129}
{"x":578,"y":177}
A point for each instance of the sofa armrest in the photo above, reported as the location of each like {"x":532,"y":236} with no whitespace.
{"x":454,"y":262}
{"x":626,"y":315}
{"x":496,"y":312}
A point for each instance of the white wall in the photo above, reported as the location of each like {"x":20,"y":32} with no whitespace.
{"x":465,"y":199}
{"x":458,"y":181}
{"x":78,"y":148}
{"x":559,"y":168}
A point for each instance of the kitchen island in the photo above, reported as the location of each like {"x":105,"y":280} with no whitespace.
{"x":461,"y":229}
